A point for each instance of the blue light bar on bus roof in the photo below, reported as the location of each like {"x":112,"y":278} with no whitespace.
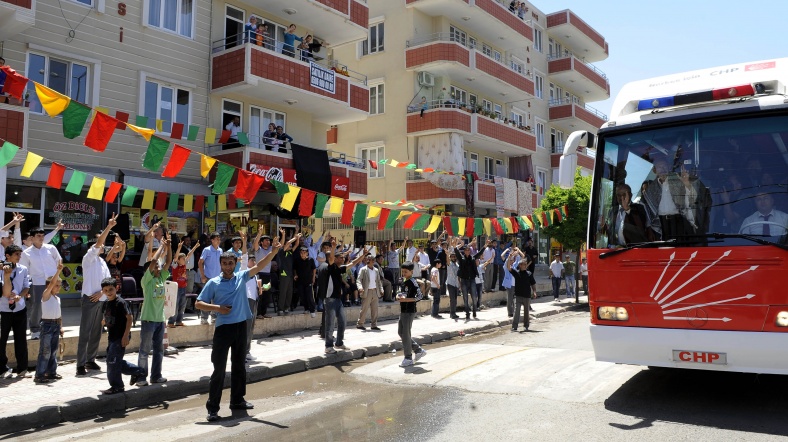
{"x":698,"y":97}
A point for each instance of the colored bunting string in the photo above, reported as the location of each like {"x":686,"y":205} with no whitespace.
{"x":411,"y":166}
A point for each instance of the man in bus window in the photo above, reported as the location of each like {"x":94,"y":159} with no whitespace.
{"x":677,"y":203}
{"x":629,"y":221}
{"x":766,"y":221}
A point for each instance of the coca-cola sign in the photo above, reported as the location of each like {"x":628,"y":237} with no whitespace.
{"x":273,"y":173}
{"x":340,"y":186}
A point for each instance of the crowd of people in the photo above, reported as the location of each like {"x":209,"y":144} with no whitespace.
{"x":259,"y":33}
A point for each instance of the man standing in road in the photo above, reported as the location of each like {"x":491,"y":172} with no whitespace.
{"x":370,"y":288}
{"x":41,"y":261}
{"x":556,"y":274}
{"x":152,"y":315}
{"x":226,"y":295}
{"x":329,"y":282}
{"x":569,"y":275}
{"x":584,"y":275}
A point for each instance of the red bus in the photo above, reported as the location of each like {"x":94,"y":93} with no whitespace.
{"x":688,"y":231}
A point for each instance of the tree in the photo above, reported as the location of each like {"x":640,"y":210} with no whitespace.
{"x":572,"y":231}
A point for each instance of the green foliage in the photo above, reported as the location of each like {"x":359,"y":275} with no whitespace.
{"x":572,"y":231}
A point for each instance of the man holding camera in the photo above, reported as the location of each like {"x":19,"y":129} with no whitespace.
{"x":13,"y":311}
{"x":41,"y":260}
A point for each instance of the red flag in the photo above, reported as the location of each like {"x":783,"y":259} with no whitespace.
{"x":122,"y":118}
{"x":515,"y":225}
{"x":307,"y":203}
{"x":56,"y":175}
{"x":178,"y":159}
{"x":384,"y":216}
{"x":176,"y":131}
{"x":15,"y":83}
{"x":248,"y":185}
{"x":347,"y":211}
{"x":558,"y":215}
{"x":199,"y":203}
{"x":411,"y":220}
{"x":100,"y":132}
{"x":447,"y":225}
{"x":225,"y":137}
{"x":402,"y":165}
{"x":161,"y":201}
{"x":232,"y":203}
{"x":469,"y":225}
{"x":373,"y":164}
{"x":496,"y":226}
{"x":112,"y":193}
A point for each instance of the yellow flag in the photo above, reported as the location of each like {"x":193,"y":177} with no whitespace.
{"x":289,"y":199}
{"x":394,"y":163}
{"x":188,"y":201}
{"x":527,"y":221}
{"x":206,"y":163}
{"x":210,"y":135}
{"x":487,"y":226}
{"x":434,"y":224}
{"x":221,"y":201}
{"x":144,"y":131}
{"x":147,"y":199}
{"x":374,"y":212}
{"x":160,"y":125}
{"x":508,"y":222}
{"x":31,"y":163}
{"x":53,"y":102}
{"x":96,"y":191}
{"x":461,"y":226}
{"x":403,"y":214}
{"x":336,"y":205}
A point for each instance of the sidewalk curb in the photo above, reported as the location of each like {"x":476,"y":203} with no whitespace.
{"x":98,"y":404}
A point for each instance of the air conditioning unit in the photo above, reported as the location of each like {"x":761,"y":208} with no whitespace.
{"x":426,"y":79}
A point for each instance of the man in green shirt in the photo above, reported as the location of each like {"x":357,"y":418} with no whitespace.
{"x":152,"y":315}
{"x":569,"y":276}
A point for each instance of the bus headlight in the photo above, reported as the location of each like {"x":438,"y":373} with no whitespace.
{"x":613,"y":314}
{"x":782,"y":319}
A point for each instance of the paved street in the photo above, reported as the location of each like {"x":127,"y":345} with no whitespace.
{"x":498,"y":385}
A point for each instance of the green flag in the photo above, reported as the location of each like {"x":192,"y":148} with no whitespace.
{"x":455,"y":224}
{"x":478,"y":227}
{"x":392,"y":219}
{"x":359,"y":215}
{"x":240,"y":204}
{"x":74,"y":118}
{"x":7,"y":153}
{"x":141,"y":121}
{"x":281,"y":188}
{"x":243,"y":139}
{"x":523,"y":225}
{"x":211,"y":203}
{"x":320,"y":204}
{"x":172,"y":204}
{"x":128,"y":196}
{"x":224,"y":173}
{"x":503,"y":225}
{"x":154,"y":156}
{"x":193,"y":130}
{"x":422,"y":222}
{"x":76,"y":182}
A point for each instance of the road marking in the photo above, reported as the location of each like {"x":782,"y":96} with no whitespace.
{"x":104,"y":428}
{"x":482,"y":362}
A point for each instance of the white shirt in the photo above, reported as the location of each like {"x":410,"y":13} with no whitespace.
{"x":434,"y":274}
{"x":373,"y":278}
{"x":42,"y":263}
{"x":489,"y":252}
{"x":50,"y":309}
{"x":260,"y":254}
{"x":144,"y":254}
{"x":480,"y":271}
{"x":424,"y":259}
{"x":753,"y":224}
{"x":410,"y":252}
{"x":556,"y":267}
{"x":20,"y":280}
{"x":94,"y":269}
{"x":666,"y":204}
{"x":584,"y":269}
{"x":233,"y":129}
{"x":251,"y":288}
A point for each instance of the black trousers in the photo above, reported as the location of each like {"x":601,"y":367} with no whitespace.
{"x":15,"y":321}
{"x":265,"y":298}
{"x":228,"y":337}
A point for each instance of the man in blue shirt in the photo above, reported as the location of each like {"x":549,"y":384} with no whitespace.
{"x":226,"y":295}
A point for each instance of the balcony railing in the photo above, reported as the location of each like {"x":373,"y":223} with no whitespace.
{"x":277,"y":46}
{"x":586,"y":107}
{"x":452,"y":103}
{"x":286,"y":148}
{"x":505,"y":4}
{"x":483,"y":177}
{"x":568,"y":54}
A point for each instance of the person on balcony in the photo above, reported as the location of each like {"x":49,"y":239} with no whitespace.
{"x":3,"y":98}
{"x":289,"y":41}
{"x":282,"y":137}
{"x":305,"y":49}
{"x":234,"y":127}
{"x":262,"y":37}
{"x":250,"y":30}
{"x":269,"y":137}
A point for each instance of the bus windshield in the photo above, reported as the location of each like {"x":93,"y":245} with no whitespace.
{"x":716,"y":183}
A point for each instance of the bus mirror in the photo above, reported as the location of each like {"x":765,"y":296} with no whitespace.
{"x":568,"y":165}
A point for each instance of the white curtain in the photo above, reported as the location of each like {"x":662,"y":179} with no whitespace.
{"x":509,"y":195}
{"x":442,"y":152}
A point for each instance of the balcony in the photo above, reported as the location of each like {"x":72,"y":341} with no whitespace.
{"x":485,"y":133}
{"x":488,"y":20}
{"x":264,"y":73}
{"x":577,"y":35}
{"x":469,"y":68}
{"x":586,"y":158}
{"x":13,"y":128}
{"x":336,"y":21}
{"x":580,"y":77}
{"x":419,"y":190}
{"x":569,"y":116}
{"x":15,"y":17}
{"x":255,"y":156}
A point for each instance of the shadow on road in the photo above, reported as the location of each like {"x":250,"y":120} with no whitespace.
{"x":731,"y":401}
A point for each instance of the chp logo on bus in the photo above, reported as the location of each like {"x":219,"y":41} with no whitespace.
{"x":667,"y":296}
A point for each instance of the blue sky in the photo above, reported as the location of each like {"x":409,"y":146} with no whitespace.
{"x":649,"y":39}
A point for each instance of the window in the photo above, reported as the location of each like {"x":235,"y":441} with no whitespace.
{"x":541,"y":180}
{"x":373,"y":154}
{"x":472,"y":99}
{"x":172,"y":15}
{"x":556,"y":93}
{"x":457,"y":35}
{"x":168,"y":103}
{"x":537,"y":40}
{"x":497,"y":56}
{"x":85,"y":2}
{"x":459,"y":95}
{"x":67,"y":77}
{"x":539,"y":134}
{"x":486,"y":50}
{"x":487,"y":105}
{"x":260,"y":118}
{"x":472,"y":42}
{"x":233,"y":26}
{"x":539,"y":86}
{"x":516,"y":65}
{"x":376,"y":100}
{"x":518,"y":118}
{"x":557,"y":140}
{"x":473,"y":164}
{"x":555,"y":49}
{"x":230,"y":110}
{"x":498,"y":111}
{"x":499,"y":169}
{"x":374,"y":43}
{"x":489,"y":168}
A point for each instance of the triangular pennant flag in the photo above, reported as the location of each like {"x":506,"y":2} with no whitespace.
{"x":529,"y":221}
{"x":336,"y":205}
{"x":478,"y":227}
{"x":206,"y":163}
{"x":248,"y":185}
{"x":392,"y":219}
{"x":224,"y":174}
{"x":461,"y":225}
{"x":520,"y":220}
{"x":373,"y":164}
{"x":394,"y":163}
{"x":142,"y":130}
{"x":14,"y":84}
{"x":558,"y":215}
{"x":56,"y":173}
{"x":289,"y":199}
{"x":141,"y":121}
{"x":100,"y":132}
{"x":177,"y":131}
{"x":76,"y":182}
{"x":447,"y":226}
{"x":221,"y":201}
{"x":422,"y":223}
{"x":128,"y":196}
{"x":159,"y":125}
{"x":411,"y":220}
{"x":565,"y":210}
{"x":306,"y":203}
{"x":469,"y":223}
{"x":96,"y":191}
{"x":123,"y":119}
{"x":225,"y":137}
{"x":487,"y":226}
{"x":359,"y":215}
{"x":112,"y":192}
{"x":147,"y":199}
{"x":434,"y":224}
{"x":403,"y":165}
{"x":495,"y":223}
{"x":188,"y":203}
{"x":281,"y":188}
{"x":193,"y":131}
{"x":154,"y":156}
{"x":411,"y":166}
{"x":31,"y":164}
{"x":199,"y":203}
{"x":383,"y":218}
{"x":172,"y":204}
{"x":7,"y":153}
{"x":161,"y":201}
{"x":320,"y":205}
{"x":210,"y":135}
{"x":178,"y":158}
{"x":347,"y":212}
{"x":374,"y":212}
{"x":210,"y":203}
{"x":53,"y":102}
{"x":243,"y":139}
{"x":74,"y":117}
{"x":511,"y":226}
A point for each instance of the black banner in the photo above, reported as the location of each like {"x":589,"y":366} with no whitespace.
{"x":312,"y":169}
{"x":470,"y":179}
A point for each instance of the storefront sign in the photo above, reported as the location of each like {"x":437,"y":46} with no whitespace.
{"x":340,"y":186}
{"x":76,"y":215}
{"x":287,"y":176}
{"x":322,"y":78}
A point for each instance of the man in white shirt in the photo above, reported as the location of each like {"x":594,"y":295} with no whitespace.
{"x":41,"y":260}
{"x":489,"y":276}
{"x":766,"y":221}
{"x":234,"y":127}
{"x":556,"y":274}
{"x":370,"y":288}
{"x":410,"y":250}
{"x":94,"y":270}
{"x":5,"y":233}
{"x":584,"y":275}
